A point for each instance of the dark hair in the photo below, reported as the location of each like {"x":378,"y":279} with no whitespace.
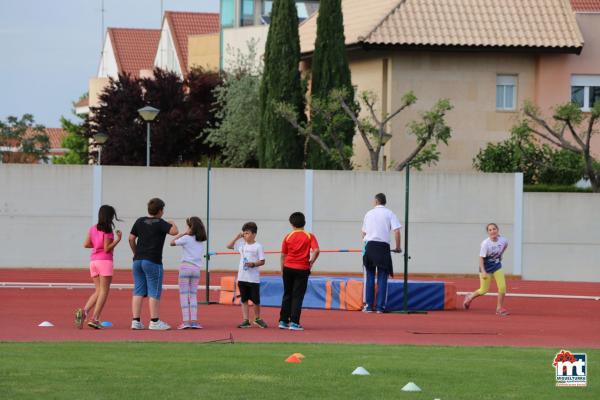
{"x":197,"y":228}
{"x":493,"y":224}
{"x":106,"y":217}
{"x":297,"y":220}
{"x":155,"y":205}
{"x":250,"y":226}
{"x":380,"y":197}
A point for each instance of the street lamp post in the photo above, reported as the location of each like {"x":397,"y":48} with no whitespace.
{"x":148,"y":114}
{"x":100,"y":138}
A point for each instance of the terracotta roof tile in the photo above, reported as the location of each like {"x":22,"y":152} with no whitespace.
{"x":56,"y":136}
{"x":134,"y":49}
{"x":586,"y":5}
{"x":184,"y":24}
{"x":477,"y":23}
{"x":82,"y":103}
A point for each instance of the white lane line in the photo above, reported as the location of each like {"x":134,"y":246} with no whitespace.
{"x":72,"y":285}
{"x":542,"y":296}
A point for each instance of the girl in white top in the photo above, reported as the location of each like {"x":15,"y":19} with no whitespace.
{"x":490,"y":263}
{"x":192,"y":242}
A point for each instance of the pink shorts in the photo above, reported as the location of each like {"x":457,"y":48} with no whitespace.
{"x":101,"y":267}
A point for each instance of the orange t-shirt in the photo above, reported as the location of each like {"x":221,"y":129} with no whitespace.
{"x":297,"y":246}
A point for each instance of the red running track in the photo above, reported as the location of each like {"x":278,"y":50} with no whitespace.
{"x":558,"y":323}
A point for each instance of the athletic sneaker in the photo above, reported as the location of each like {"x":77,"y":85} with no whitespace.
{"x":467,"y":302}
{"x":94,"y":324}
{"x":502,"y":312}
{"x":159,"y":326}
{"x":260,"y":323}
{"x":295,"y":327}
{"x":366,"y":309}
{"x":137,"y":325}
{"x":245,"y":324}
{"x":283,"y":325}
{"x":195,"y":325}
{"x":79,"y":318}
{"x":184,"y":326}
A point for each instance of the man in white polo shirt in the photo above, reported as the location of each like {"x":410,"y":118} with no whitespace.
{"x":377,"y":225}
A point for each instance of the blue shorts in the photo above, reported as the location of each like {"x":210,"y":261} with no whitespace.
{"x":147,"y":279}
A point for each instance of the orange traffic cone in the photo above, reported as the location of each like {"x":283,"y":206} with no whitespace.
{"x":292,"y":359}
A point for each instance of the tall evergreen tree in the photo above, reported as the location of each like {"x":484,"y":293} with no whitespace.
{"x":330,"y":71}
{"x":279,"y":145}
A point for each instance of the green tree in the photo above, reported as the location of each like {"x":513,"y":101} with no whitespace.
{"x":279,"y":145}
{"x":75,"y":142}
{"x":330,"y":71}
{"x":569,"y":129}
{"x":23,"y":141}
{"x":429,"y":131}
{"x":328,"y":112}
{"x":540,"y":164}
{"x":237,"y":105}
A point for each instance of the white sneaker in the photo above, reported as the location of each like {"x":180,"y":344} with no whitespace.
{"x":159,"y":326}
{"x":137,"y":325}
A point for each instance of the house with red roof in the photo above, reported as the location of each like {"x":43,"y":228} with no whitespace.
{"x":486,"y":57}
{"x":188,"y":39}
{"x":10,"y":152}
{"x":128,"y":51}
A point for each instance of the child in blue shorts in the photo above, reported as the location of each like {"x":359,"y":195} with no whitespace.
{"x":147,"y":238}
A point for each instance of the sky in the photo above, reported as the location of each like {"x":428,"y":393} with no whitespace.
{"x":51,"y":48}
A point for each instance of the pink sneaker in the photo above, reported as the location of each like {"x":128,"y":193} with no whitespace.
{"x":502,"y":312}
{"x":467,"y":302}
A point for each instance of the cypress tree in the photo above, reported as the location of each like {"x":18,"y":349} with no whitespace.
{"x":279,"y":145}
{"x":330,"y":71}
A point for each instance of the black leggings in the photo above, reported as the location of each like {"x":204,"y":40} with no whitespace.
{"x":295,"y":282}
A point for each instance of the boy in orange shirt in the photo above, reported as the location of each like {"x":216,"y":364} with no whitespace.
{"x":299,"y":251}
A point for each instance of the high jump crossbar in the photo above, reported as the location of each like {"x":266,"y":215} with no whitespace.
{"x":229,"y":253}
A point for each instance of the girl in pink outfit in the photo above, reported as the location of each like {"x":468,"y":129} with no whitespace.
{"x":102,"y":241}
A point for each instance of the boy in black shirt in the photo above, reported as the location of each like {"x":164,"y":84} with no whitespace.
{"x":146,"y":239}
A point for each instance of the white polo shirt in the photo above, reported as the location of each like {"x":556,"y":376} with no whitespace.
{"x":378,"y":223}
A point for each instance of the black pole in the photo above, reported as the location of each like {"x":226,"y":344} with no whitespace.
{"x":405,"y":309}
{"x":207,"y":233}
{"x":406,"y":199}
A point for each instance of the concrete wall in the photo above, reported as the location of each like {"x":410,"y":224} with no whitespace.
{"x":45,"y":212}
{"x":560,"y":238}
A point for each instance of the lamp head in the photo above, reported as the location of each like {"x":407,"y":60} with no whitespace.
{"x":148,"y":113}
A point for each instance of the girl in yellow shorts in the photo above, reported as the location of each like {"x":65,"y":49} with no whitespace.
{"x":490,"y":264}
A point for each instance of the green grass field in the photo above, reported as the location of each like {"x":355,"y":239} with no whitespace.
{"x":257,"y":371}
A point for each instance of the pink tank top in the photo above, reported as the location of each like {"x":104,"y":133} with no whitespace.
{"x":97,"y":237}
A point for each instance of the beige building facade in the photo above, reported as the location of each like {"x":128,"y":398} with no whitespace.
{"x":467,"y":79}
{"x":204,"y":51}
{"x":485,"y":59}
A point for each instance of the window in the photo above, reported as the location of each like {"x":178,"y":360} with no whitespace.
{"x":247,"y":14}
{"x":305,"y":9}
{"x":227,"y":13}
{"x":506,"y":92}
{"x":585,"y":90}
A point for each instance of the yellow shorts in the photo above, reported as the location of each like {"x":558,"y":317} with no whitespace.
{"x":486,"y":279}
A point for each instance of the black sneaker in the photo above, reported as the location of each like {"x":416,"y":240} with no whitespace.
{"x":245,"y":324}
{"x":260,"y":323}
